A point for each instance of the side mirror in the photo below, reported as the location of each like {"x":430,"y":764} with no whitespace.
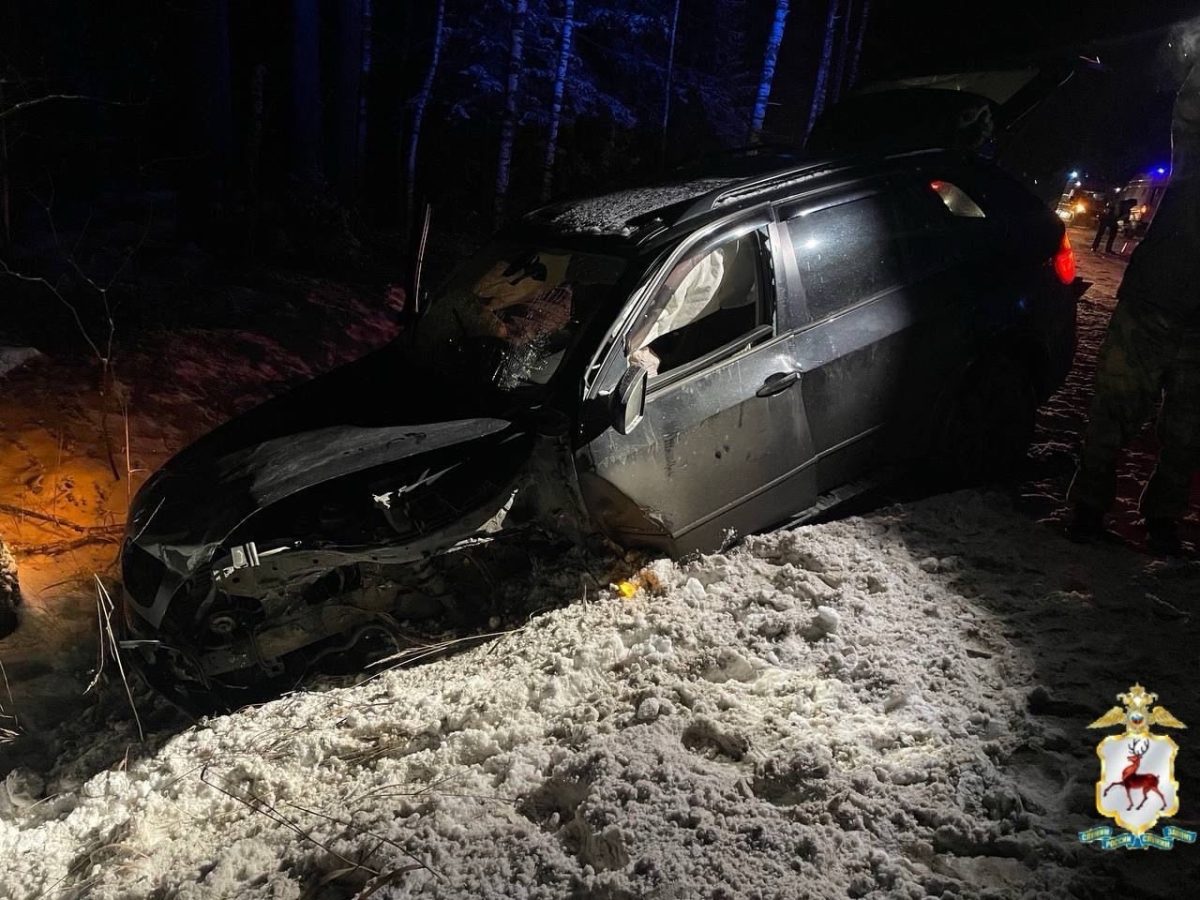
{"x":629,"y":399}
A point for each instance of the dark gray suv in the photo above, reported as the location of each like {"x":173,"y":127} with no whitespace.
{"x":671,"y":367}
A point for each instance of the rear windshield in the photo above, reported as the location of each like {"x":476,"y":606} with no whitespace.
{"x":508,"y":317}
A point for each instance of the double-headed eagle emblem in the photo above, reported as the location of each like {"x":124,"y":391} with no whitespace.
{"x":1138,"y":713}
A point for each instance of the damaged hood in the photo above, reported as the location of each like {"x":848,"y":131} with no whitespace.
{"x":193,"y":503}
{"x":196,"y":502}
{"x":336,"y":436}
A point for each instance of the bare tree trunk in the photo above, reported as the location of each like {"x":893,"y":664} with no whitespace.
{"x":348,"y":96}
{"x":5,"y":198}
{"x":368,"y":23}
{"x":662,"y":151}
{"x":821,"y":86}
{"x":770,"y":56}
{"x":843,"y":51}
{"x":219,"y":90}
{"x":556,"y":105}
{"x":305,"y":94}
{"x":419,"y":104}
{"x":508,"y":130}
{"x":856,"y":55}
{"x":211,"y":119}
{"x":254,"y":141}
{"x":254,"y":133}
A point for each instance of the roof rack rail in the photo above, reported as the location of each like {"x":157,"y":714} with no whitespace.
{"x":751,"y":187}
{"x":785,"y":178}
{"x":774,"y":182}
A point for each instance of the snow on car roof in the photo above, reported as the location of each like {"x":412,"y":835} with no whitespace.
{"x":611,"y":214}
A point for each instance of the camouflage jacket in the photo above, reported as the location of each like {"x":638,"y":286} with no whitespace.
{"x":1164,"y":271}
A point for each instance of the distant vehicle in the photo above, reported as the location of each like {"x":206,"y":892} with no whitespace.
{"x":1081,"y":206}
{"x":1145,"y":192}
{"x":671,"y":366}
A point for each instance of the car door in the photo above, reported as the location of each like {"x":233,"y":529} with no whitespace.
{"x":723,"y":448}
{"x":865,"y":351}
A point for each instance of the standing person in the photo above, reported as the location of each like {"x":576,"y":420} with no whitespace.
{"x":1108,"y":223}
{"x":1152,"y":351}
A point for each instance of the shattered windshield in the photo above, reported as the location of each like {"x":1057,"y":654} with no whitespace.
{"x":508,"y":317}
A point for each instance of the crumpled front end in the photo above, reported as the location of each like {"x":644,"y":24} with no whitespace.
{"x":312,"y":550}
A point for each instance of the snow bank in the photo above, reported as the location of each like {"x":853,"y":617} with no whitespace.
{"x":826,"y":712}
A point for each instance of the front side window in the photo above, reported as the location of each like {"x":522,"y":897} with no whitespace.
{"x":710,"y":300}
{"x":846,"y":253}
{"x":507,"y":317}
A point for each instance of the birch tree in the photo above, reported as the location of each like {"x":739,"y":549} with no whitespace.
{"x":856,"y":54}
{"x":508,"y":128}
{"x":305,"y":94}
{"x":368,"y":34}
{"x":824,"y":67}
{"x":844,"y":44}
{"x":420,"y":102}
{"x":770,"y":57}
{"x":556,"y":103}
{"x":348,"y":87}
{"x":666,"y":118}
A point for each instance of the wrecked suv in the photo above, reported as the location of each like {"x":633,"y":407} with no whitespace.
{"x":669,"y":367}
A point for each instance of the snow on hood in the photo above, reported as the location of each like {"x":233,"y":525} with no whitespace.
{"x":611,"y":213}
{"x":819,"y":713}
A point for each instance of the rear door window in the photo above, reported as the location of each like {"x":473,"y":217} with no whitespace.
{"x":956,"y":200}
{"x":846,"y":253}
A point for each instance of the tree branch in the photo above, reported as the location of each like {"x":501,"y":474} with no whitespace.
{"x":38,"y":101}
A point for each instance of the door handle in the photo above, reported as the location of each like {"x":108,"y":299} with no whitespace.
{"x":780,"y":381}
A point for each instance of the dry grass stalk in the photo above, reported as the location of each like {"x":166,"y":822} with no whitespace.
{"x":257,"y":804}
{"x":417,"y":863}
{"x":105,"y":606}
{"x":423,"y":651}
{"x":8,"y":734}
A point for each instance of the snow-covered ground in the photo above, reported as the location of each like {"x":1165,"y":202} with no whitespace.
{"x":891,"y":705}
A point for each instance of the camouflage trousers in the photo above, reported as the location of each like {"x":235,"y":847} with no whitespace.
{"x":1145,"y":356}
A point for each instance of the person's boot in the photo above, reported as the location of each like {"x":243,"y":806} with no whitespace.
{"x":1087,"y":524}
{"x":1162,"y":537}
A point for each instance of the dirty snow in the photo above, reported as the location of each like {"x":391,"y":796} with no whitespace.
{"x":611,"y":213}
{"x":888,"y":706}
{"x":892,"y":705}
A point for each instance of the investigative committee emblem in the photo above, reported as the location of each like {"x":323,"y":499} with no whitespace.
{"x":1137,"y":785}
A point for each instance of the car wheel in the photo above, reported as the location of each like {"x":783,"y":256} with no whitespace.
{"x":990,"y":426}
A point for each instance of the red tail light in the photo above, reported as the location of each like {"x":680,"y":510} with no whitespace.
{"x":1064,"y":261}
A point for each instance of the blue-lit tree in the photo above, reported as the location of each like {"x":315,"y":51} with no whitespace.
{"x":856,"y":52}
{"x":566,"y":32}
{"x":420,"y":102}
{"x":824,"y":66}
{"x":770,"y":58}
{"x":305,"y":110}
{"x":508,"y":124}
